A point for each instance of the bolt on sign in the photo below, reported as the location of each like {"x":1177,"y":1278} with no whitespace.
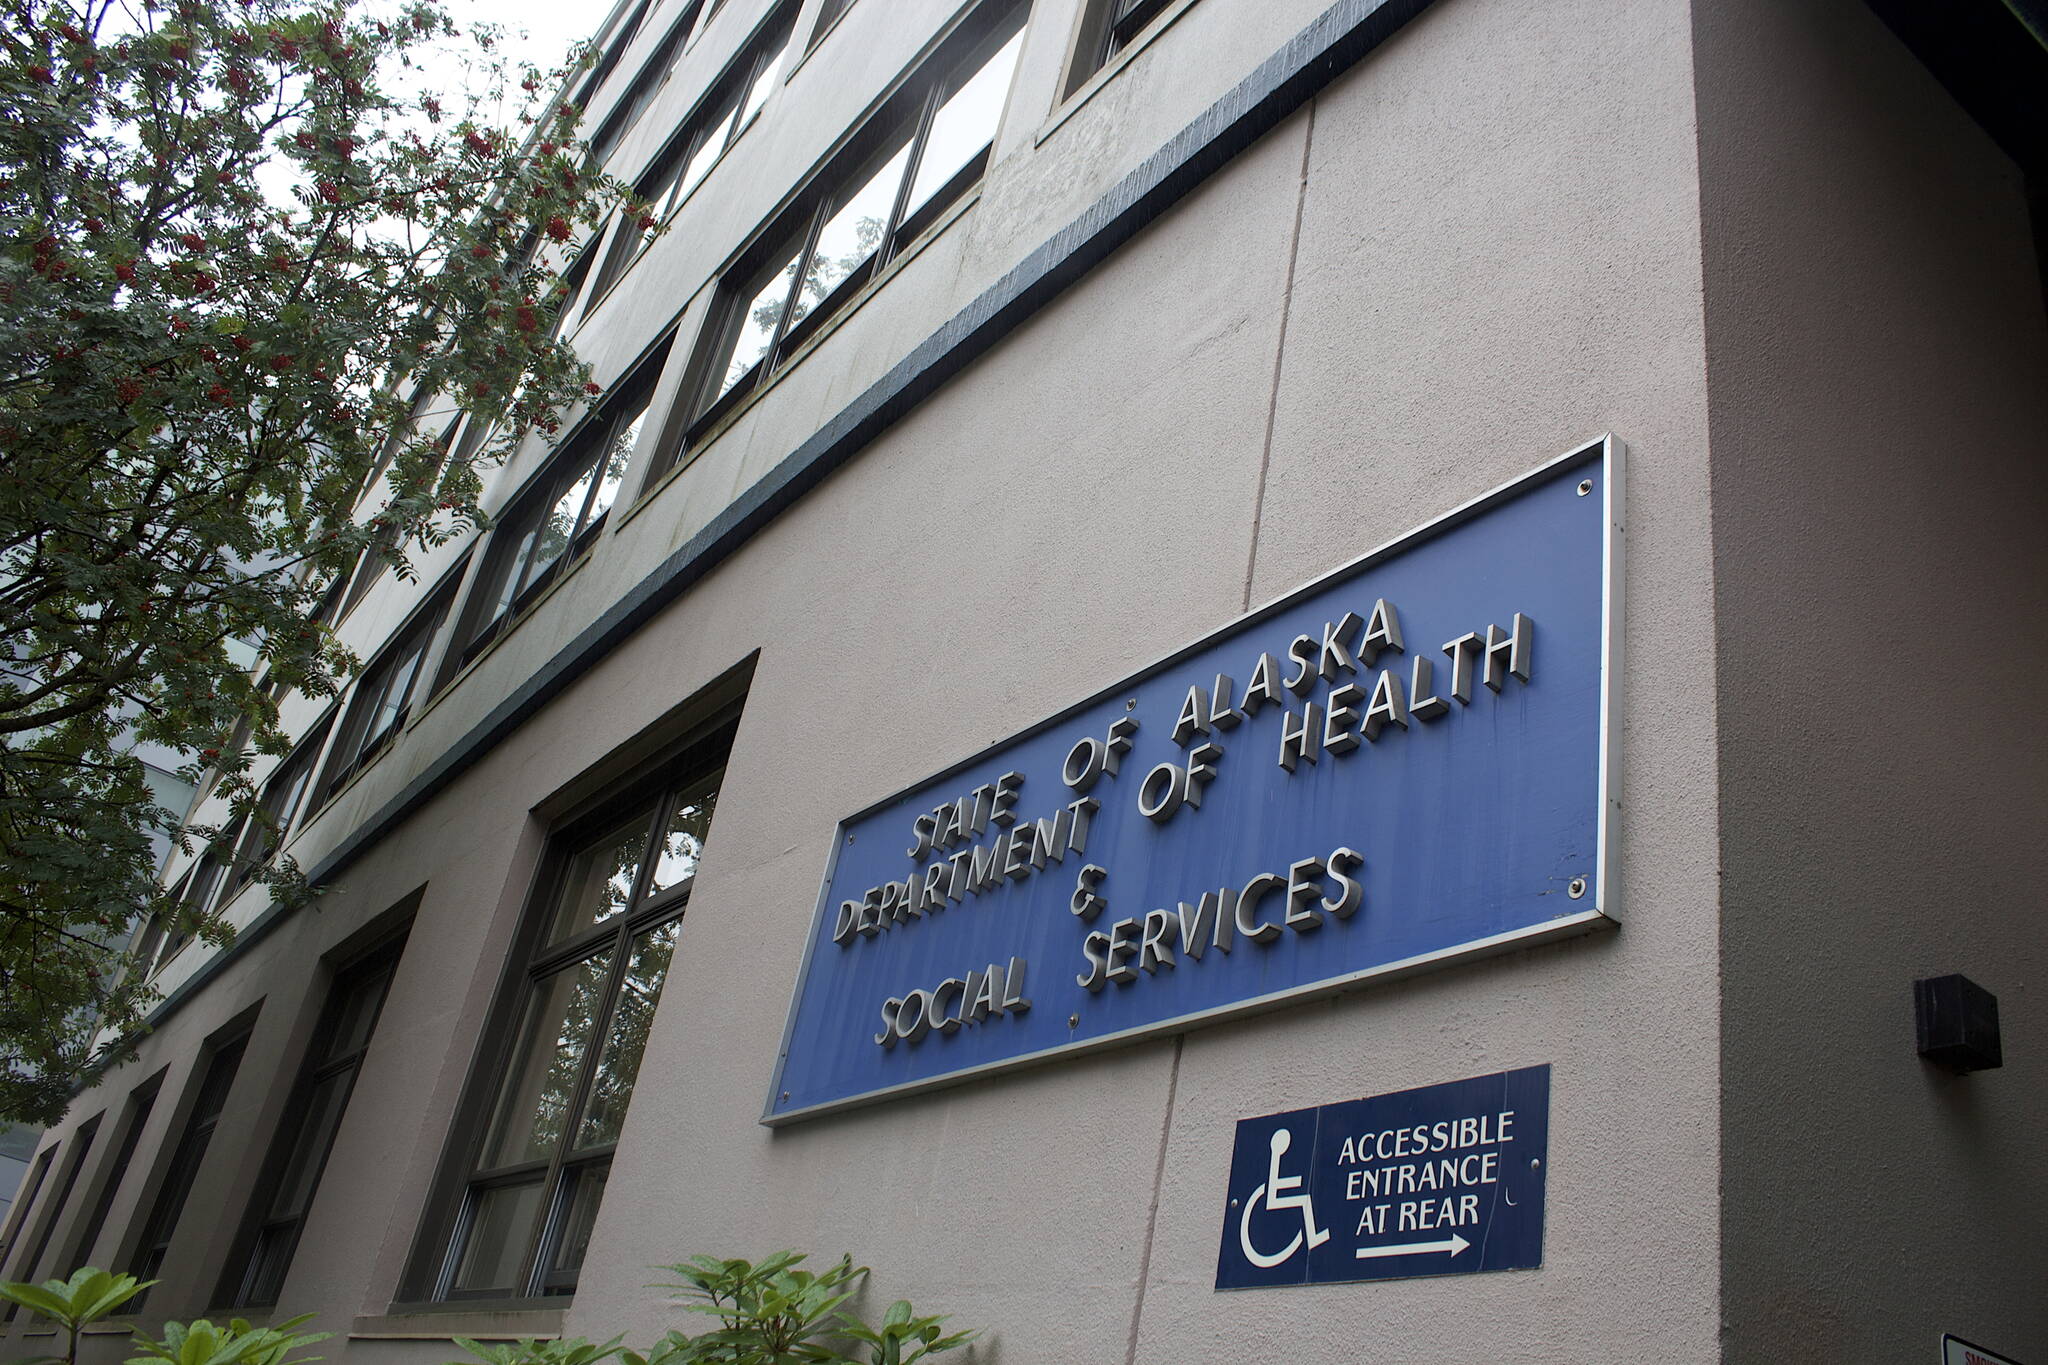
{"x":1443,"y":1180}
{"x":1404,"y":764}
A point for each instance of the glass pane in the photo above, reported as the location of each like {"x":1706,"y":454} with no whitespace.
{"x":964,"y":125}
{"x":398,"y":693}
{"x":267,"y":1265}
{"x":586,"y":1193}
{"x":356,"y":1014}
{"x":618,"y":452}
{"x":716,"y":134}
{"x":625,"y":1041}
{"x":533,"y":1109}
{"x":560,"y":525}
{"x":763,"y":85}
{"x":498,"y":1233}
{"x":758,"y":323}
{"x":599,"y":879}
{"x":850,"y":237}
{"x":302,"y":1173}
{"x":683,"y":843}
{"x":505,"y":577}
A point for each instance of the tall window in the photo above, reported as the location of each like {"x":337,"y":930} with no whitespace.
{"x":140,"y":1103}
{"x":81,"y":1148}
{"x":828,"y":15}
{"x":1108,"y":28}
{"x":926,"y":148}
{"x":559,"y":514}
{"x":24,"y":1200}
{"x":645,"y":86}
{"x":612,"y":897}
{"x":154,"y":1244}
{"x":264,"y":1253}
{"x":284,"y":799}
{"x":385,"y":693}
{"x":716,"y":123}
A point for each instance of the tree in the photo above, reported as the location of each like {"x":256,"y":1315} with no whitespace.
{"x":248,"y":274}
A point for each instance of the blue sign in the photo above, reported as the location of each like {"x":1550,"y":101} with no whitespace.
{"x":1402,"y":765}
{"x":1445,"y":1180}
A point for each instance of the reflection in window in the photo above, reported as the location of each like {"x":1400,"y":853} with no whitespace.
{"x":385,"y":694}
{"x":559,"y":515}
{"x":610,"y":918}
{"x":720,"y":117}
{"x":920,"y":153}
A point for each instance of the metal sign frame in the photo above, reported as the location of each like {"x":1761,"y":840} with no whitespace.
{"x":1603,"y":911}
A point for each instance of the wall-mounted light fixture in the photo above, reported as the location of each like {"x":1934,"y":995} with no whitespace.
{"x":1957,"y":1023}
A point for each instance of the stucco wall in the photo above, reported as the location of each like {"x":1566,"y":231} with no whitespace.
{"x":1878,"y":380}
{"x":1474,"y":251}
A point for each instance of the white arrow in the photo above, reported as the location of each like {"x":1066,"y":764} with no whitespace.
{"x":1454,"y":1245}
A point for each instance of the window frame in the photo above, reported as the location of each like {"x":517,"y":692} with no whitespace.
{"x":79,"y":1150}
{"x":140,"y":1104}
{"x":373,"y":969}
{"x":653,"y":75}
{"x":1107,"y":29}
{"x":443,"y":1237}
{"x":411,"y":648}
{"x":581,"y":453}
{"x":721,"y":108}
{"x":790,"y":239}
{"x":261,"y":841}
{"x":156,"y":1233}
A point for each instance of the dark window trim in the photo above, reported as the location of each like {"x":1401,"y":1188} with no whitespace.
{"x":25,"y":1200}
{"x":441,"y":1236}
{"x":974,"y":37}
{"x":580,"y":451}
{"x":78,"y":1151}
{"x":153,"y":1236}
{"x":259,"y":843}
{"x":140,"y":1104}
{"x":653,"y":75}
{"x":351,"y":726}
{"x":771,"y":37}
{"x":830,"y":12}
{"x":237,"y":1283}
{"x":1108,"y":28}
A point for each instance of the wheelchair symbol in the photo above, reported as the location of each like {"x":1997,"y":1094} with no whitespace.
{"x":1278,"y":1193}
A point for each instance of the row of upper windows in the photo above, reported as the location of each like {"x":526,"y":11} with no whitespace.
{"x":919,"y":152}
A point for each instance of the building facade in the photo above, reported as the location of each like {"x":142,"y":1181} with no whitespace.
{"x":993,"y":352}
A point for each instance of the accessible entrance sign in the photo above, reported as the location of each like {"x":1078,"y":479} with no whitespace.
{"x":1444,"y":1180}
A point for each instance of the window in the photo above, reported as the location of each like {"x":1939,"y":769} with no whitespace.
{"x":81,"y":1148}
{"x":139,"y":1105}
{"x":24,"y":1200}
{"x":610,"y":902}
{"x":155,"y":1241}
{"x":559,"y":514}
{"x":716,"y":123}
{"x":927,"y":146}
{"x":385,"y":693}
{"x":376,"y":558}
{"x":264,"y":1253}
{"x":645,"y":86}
{"x":1108,"y":28}
{"x":828,"y":15}
{"x":283,"y":800}
{"x":609,"y":62}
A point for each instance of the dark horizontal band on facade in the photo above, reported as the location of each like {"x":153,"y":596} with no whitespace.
{"x":1339,"y":38}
